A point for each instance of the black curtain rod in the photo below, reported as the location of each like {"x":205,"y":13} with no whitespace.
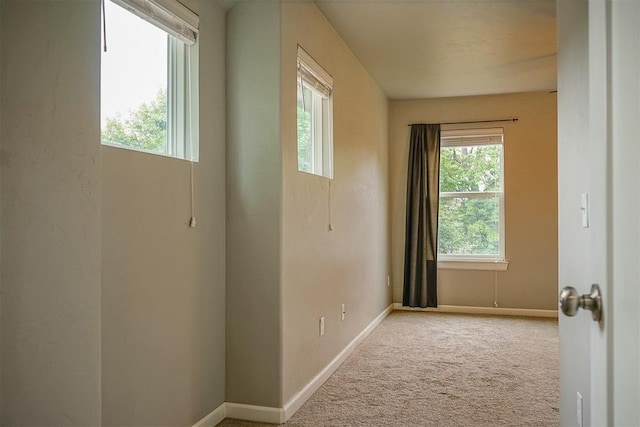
{"x":513,"y":119}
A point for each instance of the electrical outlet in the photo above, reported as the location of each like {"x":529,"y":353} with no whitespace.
{"x":343,"y":312}
{"x":388,"y":281}
{"x":579,"y":409}
{"x":322,"y":326}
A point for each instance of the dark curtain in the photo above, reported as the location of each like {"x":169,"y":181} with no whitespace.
{"x":421,"y":234}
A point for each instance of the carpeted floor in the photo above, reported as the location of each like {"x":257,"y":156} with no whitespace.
{"x":432,"y":369}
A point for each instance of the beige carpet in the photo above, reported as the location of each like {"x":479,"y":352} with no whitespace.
{"x":432,"y":369}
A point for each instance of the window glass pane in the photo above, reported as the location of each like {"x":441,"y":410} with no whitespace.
{"x":134,"y":82}
{"x":469,"y":226}
{"x":473,"y":168}
{"x":305,"y":141}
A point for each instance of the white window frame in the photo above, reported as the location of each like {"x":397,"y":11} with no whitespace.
{"x":320,"y":83}
{"x":469,"y":138}
{"x":181,"y":26}
{"x":182,"y":100}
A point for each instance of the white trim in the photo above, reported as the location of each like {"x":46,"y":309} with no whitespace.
{"x":469,"y":137}
{"x":182,"y":101}
{"x":529,"y":312}
{"x":140,"y":150}
{"x":317,"y":141}
{"x":214,"y":417}
{"x":266,"y":414}
{"x":471,"y":194}
{"x":480,"y":137}
{"x":260,"y":414}
{"x":321,"y":132}
{"x":315,"y":70}
{"x":473,"y":265}
{"x":180,"y":12}
{"x":303,"y":395}
{"x":170,"y":16}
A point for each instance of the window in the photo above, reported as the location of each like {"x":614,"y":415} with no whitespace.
{"x":149,"y":78}
{"x":471,"y":210}
{"x":315,"y":117}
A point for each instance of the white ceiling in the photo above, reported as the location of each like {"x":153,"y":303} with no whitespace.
{"x":440,"y":48}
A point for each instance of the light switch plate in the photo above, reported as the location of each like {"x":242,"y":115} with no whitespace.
{"x":584,"y":209}
{"x":579,"y":409}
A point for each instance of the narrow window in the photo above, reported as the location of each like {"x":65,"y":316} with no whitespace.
{"x":315,"y":117}
{"x":149,"y":78}
{"x":471,"y":210}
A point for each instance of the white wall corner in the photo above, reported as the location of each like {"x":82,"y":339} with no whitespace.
{"x":498,"y":311}
{"x":214,"y":417}
{"x":296,"y":402}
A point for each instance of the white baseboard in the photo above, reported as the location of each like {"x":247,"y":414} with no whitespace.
{"x":214,"y":418}
{"x":265,"y":414}
{"x":481,"y":310}
{"x":303,"y":395}
{"x":259,"y":414}
{"x":272,"y":415}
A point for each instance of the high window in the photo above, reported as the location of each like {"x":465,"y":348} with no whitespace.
{"x":149,"y":78}
{"x":471,"y":210}
{"x":315,"y":117}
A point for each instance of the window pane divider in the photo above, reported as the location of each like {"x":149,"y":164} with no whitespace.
{"x":471,"y":195}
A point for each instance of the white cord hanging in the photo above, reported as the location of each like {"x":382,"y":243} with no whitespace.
{"x":329,"y":206}
{"x":495,"y":288}
{"x":104,"y":24}
{"x":192,"y":220}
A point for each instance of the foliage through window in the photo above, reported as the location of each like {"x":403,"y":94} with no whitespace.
{"x":149,"y":81}
{"x":314,"y":117}
{"x":471,"y":210}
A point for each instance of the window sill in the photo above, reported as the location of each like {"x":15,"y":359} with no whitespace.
{"x":473,"y":265}
{"x":143,"y":151}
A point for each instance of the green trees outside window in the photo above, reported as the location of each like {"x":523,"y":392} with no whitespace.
{"x":305,"y":146}
{"x":144,"y":129}
{"x":470,"y":200}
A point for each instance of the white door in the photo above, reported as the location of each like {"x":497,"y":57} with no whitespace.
{"x":624,"y":331}
{"x":599,"y":155}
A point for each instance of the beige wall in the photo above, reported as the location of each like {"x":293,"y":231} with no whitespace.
{"x":50,"y":200}
{"x":163,"y":359}
{"x":112,"y":309}
{"x":323,"y":269}
{"x":530,"y":198}
{"x":285,"y":268}
{"x":254,"y":197}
